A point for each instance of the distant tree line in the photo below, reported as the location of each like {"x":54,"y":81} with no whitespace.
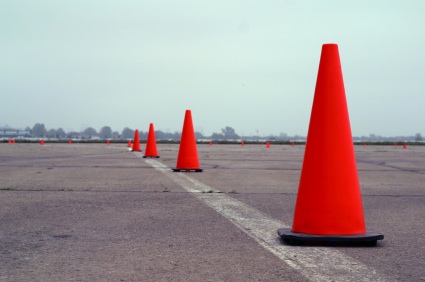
{"x":227,"y":133}
{"x":377,"y":138}
{"x":39,"y":131}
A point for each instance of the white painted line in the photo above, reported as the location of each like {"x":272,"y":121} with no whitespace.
{"x":316,"y":264}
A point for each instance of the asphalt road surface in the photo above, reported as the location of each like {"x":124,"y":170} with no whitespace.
{"x":97,"y":212}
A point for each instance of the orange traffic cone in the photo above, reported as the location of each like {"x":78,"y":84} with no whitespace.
{"x":41,"y":142}
{"x":329,"y":205}
{"x":108,"y":142}
{"x":188,"y":155}
{"x":395,"y":144}
{"x":210,"y":143}
{"x":151,"y":151}
{"x":293,"y":144}
{"x":404,"y":146}
{"x":70,"y":141}
{"x":136,"y":142}
{"x":268,"y":145}
{"x":9,"y":141}
{"x":243,"y":144}
{"x":364,"y":144}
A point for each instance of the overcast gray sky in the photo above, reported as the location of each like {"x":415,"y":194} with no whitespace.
{"x":251,"y":65}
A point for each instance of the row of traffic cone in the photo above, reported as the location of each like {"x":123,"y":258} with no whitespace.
{"x":329,"y":205}
{"x":13,"y":141}
{"x":395,"y":145}
{"x":188,"y":154}
{"x":151,"y":150}
{"x":152,"y":144}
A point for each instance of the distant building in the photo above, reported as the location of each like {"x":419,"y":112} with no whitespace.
{"x":13,"y":133}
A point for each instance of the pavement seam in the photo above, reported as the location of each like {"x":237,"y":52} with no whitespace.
{"x":314,"y":263}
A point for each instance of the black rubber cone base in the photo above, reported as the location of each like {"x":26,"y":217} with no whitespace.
{"x":187,"y":169}
{"x":292,"y":238}
{"x":151,"y":157}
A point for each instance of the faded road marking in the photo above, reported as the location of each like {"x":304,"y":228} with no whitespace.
{"x":316,"y":264}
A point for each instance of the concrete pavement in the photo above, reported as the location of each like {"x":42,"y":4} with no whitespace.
{"x":96,"y":212}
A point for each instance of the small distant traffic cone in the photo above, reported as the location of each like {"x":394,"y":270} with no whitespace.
{"x":395,"y":144}
{"x":70,"y":141}
{"x":136,"y":142}
{"x":243,"y":144}
{"x":108,"y":142}
{"x":329,"y":205}
{"x":404,"y":146}
{"x":9,"y":141}
{"x":293,"y":144}
{"x":129,"y":144}
{"x":210,"y":143}
{"x":188,"y":155}
{"x":41,"y":142}
{"x":364,"y":144}
{"x":268,"y":145}
{"x":151,"y":151}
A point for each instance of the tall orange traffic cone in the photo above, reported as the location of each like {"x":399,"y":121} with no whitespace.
{"x":151,"y":151}
{"x":136,"y":142}
{"x":329,"y":205}
{"x":188,"y":155}
{"x":268,"y":145}
{"x":41,"y":142}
